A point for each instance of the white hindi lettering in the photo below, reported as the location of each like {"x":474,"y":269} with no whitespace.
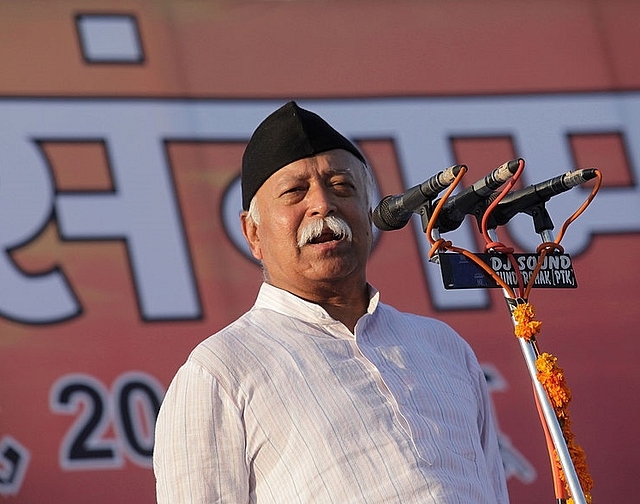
{"x":143,"y":211}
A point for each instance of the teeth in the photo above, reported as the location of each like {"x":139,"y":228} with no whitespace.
{"x":331,"y":228}
{"x":325,"y":237}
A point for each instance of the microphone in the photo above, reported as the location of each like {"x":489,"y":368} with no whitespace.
{"x":521,"y":200}
{"x":457,"y":207}
{"x":393,"y":212}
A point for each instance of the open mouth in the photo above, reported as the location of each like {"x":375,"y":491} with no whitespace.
{"x":328,"y":230}
{"x":325,"y":237}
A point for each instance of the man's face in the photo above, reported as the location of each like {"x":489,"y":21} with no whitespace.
{"x":296,"y":196}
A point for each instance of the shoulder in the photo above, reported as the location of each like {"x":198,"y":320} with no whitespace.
{"x":228,"y":344}
{"x":431,"y":333}
{"x":388,"y":315}
{"x":223,"y":360}
{"x":430,"y":344}
{"x":249,"y":346}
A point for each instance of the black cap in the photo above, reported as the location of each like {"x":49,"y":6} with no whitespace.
{"x":287,"y":135}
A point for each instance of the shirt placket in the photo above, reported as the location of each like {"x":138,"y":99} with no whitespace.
{"x":395,"y":392}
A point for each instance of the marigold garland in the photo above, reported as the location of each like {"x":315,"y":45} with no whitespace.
{"x":552,"y":378}
{"x":525,"y":326}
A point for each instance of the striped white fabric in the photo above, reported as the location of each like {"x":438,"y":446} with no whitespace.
{"x":286,"y":405}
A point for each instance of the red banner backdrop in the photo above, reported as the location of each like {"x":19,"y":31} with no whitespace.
{"x":122,"y":125}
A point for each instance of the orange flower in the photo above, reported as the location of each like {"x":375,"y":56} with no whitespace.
{"x":525,"y":327}
{"x":552,"y":378}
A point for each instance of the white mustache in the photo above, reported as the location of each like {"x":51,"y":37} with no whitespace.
{"x":314,"y":228}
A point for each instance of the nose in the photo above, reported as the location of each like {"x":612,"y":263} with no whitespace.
{"x":320,"y":201}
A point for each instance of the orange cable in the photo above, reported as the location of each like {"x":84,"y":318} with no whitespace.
{"x":583,"y":207}
{"x":494,"y":203}
{"x":546,"y":247}
{"x":497,"y":245}
{"x":445,"y":197}
{"x":442,"y":244}
{"x":558,"y":484}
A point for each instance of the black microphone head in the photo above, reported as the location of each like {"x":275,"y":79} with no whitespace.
{"x":578,"y":177}
{"x":589,"y":173}
{"x":386,"y":220}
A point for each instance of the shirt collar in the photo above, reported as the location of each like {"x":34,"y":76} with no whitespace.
{"x":282,"y":301}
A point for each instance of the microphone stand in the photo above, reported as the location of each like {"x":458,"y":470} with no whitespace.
{"x":551,"y":425}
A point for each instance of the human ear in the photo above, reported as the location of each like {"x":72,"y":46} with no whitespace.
{"x":250,"y":232}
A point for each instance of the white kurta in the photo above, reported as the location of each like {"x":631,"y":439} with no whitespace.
{"x":286,"y":405}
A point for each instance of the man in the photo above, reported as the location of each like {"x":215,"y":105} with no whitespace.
{"x":321,"y":393}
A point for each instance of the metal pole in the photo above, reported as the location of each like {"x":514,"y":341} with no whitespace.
{"x":530,"y":353}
